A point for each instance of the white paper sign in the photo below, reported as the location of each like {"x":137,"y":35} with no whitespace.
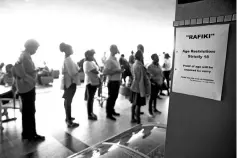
{"x":199,"y":60}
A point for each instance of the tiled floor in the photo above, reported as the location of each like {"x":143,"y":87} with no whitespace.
{"x":61,"y":141}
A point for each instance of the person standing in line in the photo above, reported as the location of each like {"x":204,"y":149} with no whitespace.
{"x":113,"y":71}
{"x":131,"y":59}
{"x":156,"y":74}
{"x":167,"y":69}
{"x":70,"y":81}
{"x":103,"y":66}
{"x":125,"y":66}
{"x":140,"y":87}
{"x":25,"y":75}
{"x":92,"y":81}
{"x":140,"y":47}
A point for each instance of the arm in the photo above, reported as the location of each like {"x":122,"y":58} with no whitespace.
{"x":109,"y":70}
{"x":90,"y":67}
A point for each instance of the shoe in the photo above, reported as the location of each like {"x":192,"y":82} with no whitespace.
{"x":162,"y":93}
{"x":141,"y":113}
{"x":150,"y":114}
{"x":133,"y":121}
{"x":111,"y":118}
{"x":155,"y":110}
{"x":92,"y":117}
{"x":116,"y":114}
{"x":138,"y":121}
{"x":72,"y":125}
{"x":72,"y":118}
{"x":39,"y":138}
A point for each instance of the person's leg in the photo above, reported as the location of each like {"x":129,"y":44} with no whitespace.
{"x":109,"y":99}
{"x":28,"y":117}
{"x":138,"y":110}
{"x":24,"y":114}
{"x":85,"y":95}
{"x":133,"y":119}
{"x":157,"y":89}
{"x":152,"y":98}
{"x":116,"y":86}
{"x":68,"y":101}
{"x":109,"y":104}
{"x":31,"y":110}
{"x":91,"y":93}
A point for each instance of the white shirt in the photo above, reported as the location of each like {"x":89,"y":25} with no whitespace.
{"x":167,"y":66}
{"x":89,"y":76}
{"x":70,"y":72}
{"x":113,"y":64}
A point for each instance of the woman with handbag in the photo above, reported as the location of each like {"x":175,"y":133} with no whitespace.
{"x":140,"y":87}
{"x":92,"y":81}
{"x":70,"y":81}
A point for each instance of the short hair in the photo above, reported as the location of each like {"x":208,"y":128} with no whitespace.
{"x":122,"y":55}
{"x":140,"y":47}
{"x":30,"y":43}
{"x":153,"y":55}
{"x":139,"y":55}
{"x":63,"y":47}
{"x":88,"y":53}
{"x":113,"y":46}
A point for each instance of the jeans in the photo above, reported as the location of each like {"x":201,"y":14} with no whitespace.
{"x":28,"y":114}
{"x":68,"y":96}
{"x":113,"y":91}
{"x":90,"y":98}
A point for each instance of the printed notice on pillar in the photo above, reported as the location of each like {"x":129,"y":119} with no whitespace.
{"x":199,"y":60}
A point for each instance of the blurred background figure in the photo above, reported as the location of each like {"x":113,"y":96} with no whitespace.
{"x":8,"y":80}
{"x":69,"y":83}
{"x":167,"y":70}
{"x":125,"y":66}
{"x":131,"y":59}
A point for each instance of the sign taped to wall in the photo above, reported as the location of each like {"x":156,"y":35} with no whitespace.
{"x":199,"y":60}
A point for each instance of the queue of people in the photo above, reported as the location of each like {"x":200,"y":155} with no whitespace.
{"x":144,"y":82}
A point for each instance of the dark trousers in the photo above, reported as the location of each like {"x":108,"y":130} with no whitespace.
{"x":113,"y":91}
{"x":136,"y":110}
{"x":167,"y":78}
{"x":28,"y":114}
{"x":99,"y":92}
{"x":90,"y":98}
{"x":155,"y":88}
{"x":68,"y":96}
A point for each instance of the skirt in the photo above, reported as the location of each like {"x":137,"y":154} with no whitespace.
{"x":136,"y":99}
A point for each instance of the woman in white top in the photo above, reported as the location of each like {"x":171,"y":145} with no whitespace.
{"x":70,"y":81}
{"x":92,"y":81}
